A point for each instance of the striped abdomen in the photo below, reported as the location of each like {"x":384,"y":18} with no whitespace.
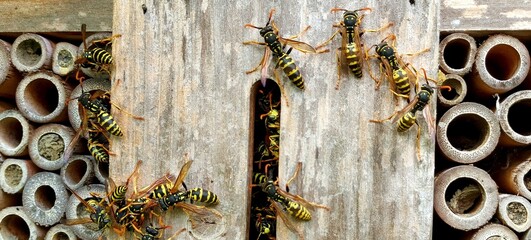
{"x":291,"y":70}
{"x":118,"y":195}
{"x":259,"y":178}
{"x":97,"y":150}
{"x":352,"y":56}
{"x":406,"y":121}
{"x":298,"y":211}
{"x":161,"y":191}
{"x":98,"y":56}
{"x":201,"y":195}
{"x":107,"y":121}
{"x":401,"y":81}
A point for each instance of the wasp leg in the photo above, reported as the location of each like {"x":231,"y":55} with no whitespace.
{"x":418,"y":141}
{"x":388,"y":25}
{"x":338,"y":58}
{"x":281,"y":86}
{"x":328,"y":40}
{"x":383,"y":120}
{"x":297,"y":170}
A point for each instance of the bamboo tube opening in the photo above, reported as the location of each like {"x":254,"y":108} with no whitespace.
{"x":60,"y":232}
{"x":51,"y":146}
{"x":88,"y":86}
{"x":465,"y":197}
{"x":513,"y":119}
{"x":45,"y":197}
{"x":14,"y":133}
{"x":31,"y":52}
{"x":77,"y":171}
{"x":14,"y":227}
{"x":502,"y":61}
{"x":456,"y":95}
{"x":467,"y":132}
{"x":13,"y":175}
{"x":492,"y":231}
{"x":457,"y":53}
{"x":42,"y":97}
{"x":513,"y":211}
{"x":64,"y":57}
{"x":11,"y":132}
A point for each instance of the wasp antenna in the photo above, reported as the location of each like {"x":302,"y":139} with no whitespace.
{"x":363,"y":9}
{"x":338,"y":9}
{"x":248,"y":25}
{"x":270,"y":15}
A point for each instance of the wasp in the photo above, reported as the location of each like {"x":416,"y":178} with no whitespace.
{"x":406,"y":117}
{"x":276,"y":44}
{"x":265,"y":222}
{"x":98,"y":209}
{"x":95,"y":55}
{"x":393,"y":68}
{"x":204,"y":196}
{"x":98,"y":147}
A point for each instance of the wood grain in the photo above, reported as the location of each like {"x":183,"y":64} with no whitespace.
{"x":181,"y":66}
{"x":55,"y":15}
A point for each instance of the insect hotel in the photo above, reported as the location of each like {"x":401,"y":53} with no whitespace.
{"x":265,"y":120}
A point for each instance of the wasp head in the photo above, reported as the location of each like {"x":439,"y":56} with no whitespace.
{"x":425,"y":93}
{"x":384,"y":50}
{"x":350,"y":18}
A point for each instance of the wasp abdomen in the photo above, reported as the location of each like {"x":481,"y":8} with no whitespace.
{"x":201,"y":195}
{"x":291,"y":70}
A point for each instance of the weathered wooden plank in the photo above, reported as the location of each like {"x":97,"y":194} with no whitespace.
{"x":182,"y":67}
{"x":55,"y":15}
{"x":487,"y":15}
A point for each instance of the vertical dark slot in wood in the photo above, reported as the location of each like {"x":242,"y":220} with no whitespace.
{"x":265,"y":142}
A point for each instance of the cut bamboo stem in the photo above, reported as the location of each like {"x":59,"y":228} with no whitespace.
{"x":60,"y":232}
{"x":457,"y":52}
{"x":78,"y":171}
{"x":14,"y":134}
{"x":16,"y":224}
{"x":514,"y":212}
{"x":455,"y":96}
{"x":76,"y":210}
{"x":45,"y":198}
{"x":47,"y":145}
{"x":465,"y":197}
{"x":502,"y":63}
{"x":513,"y":118}
{"x":41,"y":97}
{"x":468,"y":132}
{"x":14,"y":173}
{"x":31,"y":52}
{"x":516,"y":177}
{"x":64,"y":57}
{"x":492,"y":231}
{"x":9,"y":76}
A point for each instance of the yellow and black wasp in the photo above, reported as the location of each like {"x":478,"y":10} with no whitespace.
{"x":265,"y":222}
{"x":275,"y":44}
{"x":393,"y":68}
{"x":95,"y":55}
{"x":406,"y":117}
{"x":98,"y":209}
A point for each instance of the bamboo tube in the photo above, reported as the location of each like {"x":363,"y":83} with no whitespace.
{"x":457,"y":52}
{"x":63,"y":58}
{"x":455,"y":96}
{"x":31,"y":52}
{"x":502,"y":63}
{"x":88,"y":85}
{"x":14,"y":133}
{"x":94,"y":37}
{"x":76,"y":210}
{"x":78,"y":171}
{"x":467,"y":133}
{"x":512,"y":116}
{"x":47,"y":145}
{"x":8,"y":200}
{"x":514,"y":212}
{"x":465,"y":197}
{"x":15,"y":224}
{"x":14,"y":173}
{"x":492,"y":231}
{"x":515,"y":178}
{"x":9,"y":76}
{"x":45,"y":198}
{"x":41,"y":97}
{"x":101,"y":170}
{"x":60,"y":231}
